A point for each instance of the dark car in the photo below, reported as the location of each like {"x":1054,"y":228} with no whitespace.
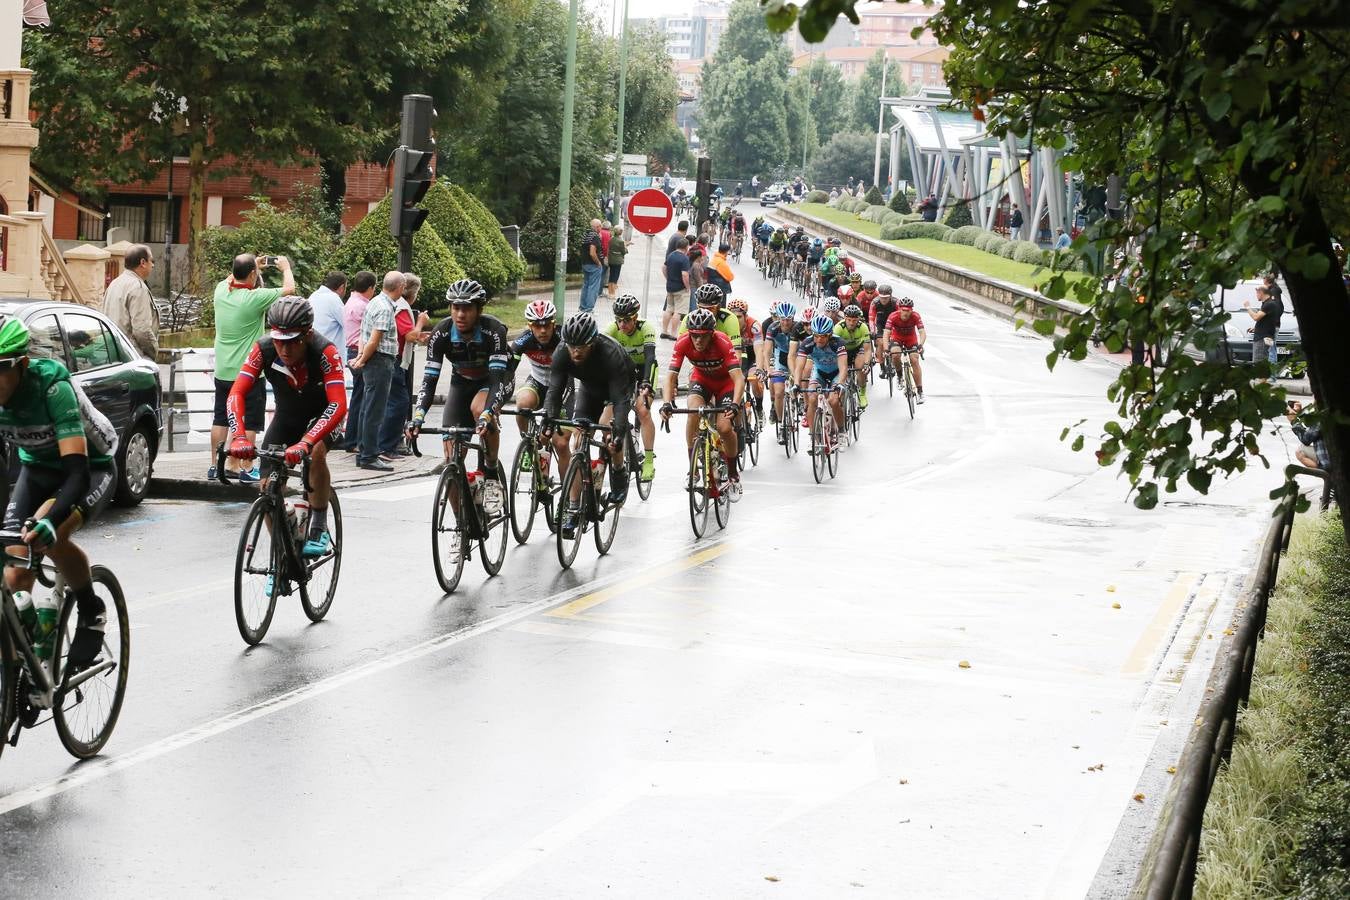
{"x":121,"y":383}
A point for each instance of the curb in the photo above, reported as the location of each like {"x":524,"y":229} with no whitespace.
{"x":201,"y":489}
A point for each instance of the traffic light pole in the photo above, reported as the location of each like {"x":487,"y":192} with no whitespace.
{"x":565,"y":175}
{"x":616,"y":211}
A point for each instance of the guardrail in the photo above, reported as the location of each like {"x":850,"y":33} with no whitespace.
{"x":1170,"y":875}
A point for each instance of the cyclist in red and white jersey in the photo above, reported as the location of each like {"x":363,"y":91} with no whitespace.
{"x":905,"y":329}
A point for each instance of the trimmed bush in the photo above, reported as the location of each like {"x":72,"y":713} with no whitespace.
{"x":966,"y":234}
{"x":875,"y":213}
{"x":912,"y":217}
{"x":890,"y":232}
{"x":816,"y":197}
{"x":465,"y":238}
{"x":900,"y":202}
{"x":959,"y":216}
{"x":491,"y":230}
{"x":989,"y":242}
{"x":291,"y":231}
{"x":892,"y":218}
{"x":1029,"y":253}
{"x":874,"y":197}
{"x":935,"y":230}
{"x":370,"y":246}
{"x":536,"y":239}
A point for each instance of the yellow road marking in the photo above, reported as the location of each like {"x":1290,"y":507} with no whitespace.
{"x":572,"y":609}
{"x":1147,"y":645}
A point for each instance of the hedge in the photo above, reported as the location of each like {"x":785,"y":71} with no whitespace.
{"x":892,"y":218}
{"x":934,"y":230}
{"x":465,"y":238}
{"x":370,"y":246}
{"x":491,"y":229}
{"x":989,"y":242}
{"x":875,"y":213}
{"x":1024,"y":252}
{"x":900,"y":202}
{"x":816,"y":197}
{"x":537,"y":238}
{"x":912,"y":217}
{"x":959,"y":216}
{"x":966,"y":234}
{"x":874,"y":197}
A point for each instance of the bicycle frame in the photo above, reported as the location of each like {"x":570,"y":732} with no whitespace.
{"x":461,"y":442}
{"x":274,"y":487}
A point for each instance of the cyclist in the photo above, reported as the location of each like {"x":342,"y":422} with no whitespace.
{"x":864,"y":298}
{"x":305,"y":372}
{"x":476,"y":348}
{"x":778,"y":244}
{"x":831,"y":271}
{"x":604,"y":376}
{"x":750,"y":345}
{"x":781,"y":336}
{"x":826,"y":356}
{"x":766,"y":231}
{"x":814,"y":254}
{"x":536,"y":344}
{"x":855,"y":281}
{"x":905,"y":329}
{"x":737,"y":232}
{"x":883,"y":304}
{"x":857,"y":338}
{"x":831,"y":308}
{"x":711,"y":298}
{"x":801,"y":250}
{"x":717,"y":377}
{"x":66,"y":475}
{"x":638,"y":338}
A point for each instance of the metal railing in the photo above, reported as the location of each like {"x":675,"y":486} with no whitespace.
{"x":1169,"y":870}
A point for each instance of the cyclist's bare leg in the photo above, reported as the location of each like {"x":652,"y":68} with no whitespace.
{"x":491,"y":437}
{"x":918,"y":371}
{"x":645,"y":422}
{"x":526,"y":399}
{"x":693,"y":401}
{"x":320,"y":480}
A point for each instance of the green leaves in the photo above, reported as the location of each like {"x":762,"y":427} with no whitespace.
{"x":1218,"y":105}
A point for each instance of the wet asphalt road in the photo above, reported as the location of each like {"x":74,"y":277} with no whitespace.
{"x":776,"y":710}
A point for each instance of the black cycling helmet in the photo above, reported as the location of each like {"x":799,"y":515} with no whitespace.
{"x":466,"y":291}
{"x":289,"y":318}
{"x":579,"y":330}
{"x":885,"y":289}
{"x":626,"y":305}
{"x":709,"y":295}
{"x":869,"y":285}
{"x":700,"y":321}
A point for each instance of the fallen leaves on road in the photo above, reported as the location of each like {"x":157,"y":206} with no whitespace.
{"x":904,"y":781}
{"x":1171,"y":770}
{"x":1097,"y":768}
{"x":1110,"y":588}
{"x":1115,"y":606}
{"x":1138,"y":798}
{"x":770,"y":877}
{"x":965,"y":664}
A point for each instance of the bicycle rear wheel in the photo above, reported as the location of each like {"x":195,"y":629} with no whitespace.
{"x":605,"y":528}
{"x":697,"y":488}
{"x":575,"y":478}
{"x":909,"y":390}
{"x":722,"y":480}
{"x":818,"y":463}
{"x":752,"y":430}
{"x":831,"y":444}
{"x":492,"y":548}
{"x":88,"y":700}
{"x":257,"y":566}
{"x":9,"y":683}
{"x":316,"y":597}
{"x":524,"y":495}
{"x":644,"y":486}
{"x":449,"y":543}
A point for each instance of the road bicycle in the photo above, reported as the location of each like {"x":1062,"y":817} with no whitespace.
{"x":852,"y":405}
{"x":584,"y":492}
{"x":752,"y":425}
{"x":824,"y":449}
{"x":632,"y":440}
{"x":268,"y":563}
{"x":84,"y":702}
{"x":777,"y":269}
{"x":906,"y":375}
{"x":709,"y":482}
{"x":465,"y":510}
{"x":737,"y":242}
{"x":533,"y":484}
{"x":786,"y":428}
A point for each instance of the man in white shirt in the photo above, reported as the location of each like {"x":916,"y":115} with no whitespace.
{"x":128,"y":302}
{"x":328,"y":310}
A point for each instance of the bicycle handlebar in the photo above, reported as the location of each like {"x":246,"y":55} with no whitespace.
{"x":267,"y":453}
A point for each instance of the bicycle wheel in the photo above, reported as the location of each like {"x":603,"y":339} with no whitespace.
{"x":644,"y":486}
{"x":909,"y":390}
{"x":449,"y":544}
{"x":831,"y":444}
{"x":818,"y":444}
{"x":256,"y":565}
{"x":785,"y":426}
{"x":88,"y":700}
{"x":524,"y":496}
{"x":492,"y":547}
{"x":854,"y":414}
{"x":722,"y":479}
{"x":316,"y":597}
{"x":578,"y":472}
{"x":9,"y":683}
{"x":889,"y":375}
{"x":607,"y":527}
{"x":698,"y":487}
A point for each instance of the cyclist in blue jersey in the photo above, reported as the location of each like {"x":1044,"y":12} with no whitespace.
{"x":827,"y":356}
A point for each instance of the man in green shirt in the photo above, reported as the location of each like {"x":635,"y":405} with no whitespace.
{"x":638,"y":339}
{"x":241,"y":310}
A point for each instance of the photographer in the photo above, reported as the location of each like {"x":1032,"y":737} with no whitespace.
{"x":1314,"y":452}
{"x":241,"y":311}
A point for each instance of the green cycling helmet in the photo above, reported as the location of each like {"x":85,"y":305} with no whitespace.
{"x":13,"y":337}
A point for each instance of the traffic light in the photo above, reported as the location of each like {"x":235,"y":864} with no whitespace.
{"x":412,"y":180}
{"x":703,"y":192}
{"x":417,"y":123}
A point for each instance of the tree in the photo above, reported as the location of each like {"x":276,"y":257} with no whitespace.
{"x":801,"y":125}
{"x":121,"y":87}
{"x":744,"y":96}
{"x":849,"y":154}
{"x":829,"y":96}
{"x":671,"y":149}
{"x":1229,"y":125}
{"x":865,"y":98}
{"x":651,"y":92}
{"x":539,"y":234}
{"x":369,"y":246}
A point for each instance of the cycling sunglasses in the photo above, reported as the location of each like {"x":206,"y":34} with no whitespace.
{"x":11,"y":362}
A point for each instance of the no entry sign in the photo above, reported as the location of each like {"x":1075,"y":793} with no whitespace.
{"x":650,"y":211}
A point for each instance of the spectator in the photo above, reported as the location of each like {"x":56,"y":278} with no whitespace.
{"x":1015,"y":222}
{"x":328,"y":312}
{"x":1061,"y":239}
{"x":1313,"y":453}
{"x":754,"y":185}
{"x":241,"y":313}
{"x":129,"y":303}
{"x":592,"y":267}
{"x":834,"y":194}
{"x":681,"y":231}
{"x":618,"y":249}
{"x":858,"y":191}
{"x":698,"y":275}
{"x":703,"y":243}
{"x":676,"y":272}
{"x":1267,"y":319}
{"x":929,"y":208}
{"x":627,"y":225}
{"x":410,"y":332}
{"x":719,"y":270}
{"x":376,"y":362}
{"x":363,"y":288}
{"x":849,"y":186}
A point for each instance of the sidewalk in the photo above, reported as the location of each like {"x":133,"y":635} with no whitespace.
{"x":182,"y":476}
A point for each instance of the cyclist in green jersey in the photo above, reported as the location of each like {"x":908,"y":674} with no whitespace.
{"x":857,"y":338}
{"x":638,"y":339}
{"x":711,"y":298}
{"x":66,"y":477}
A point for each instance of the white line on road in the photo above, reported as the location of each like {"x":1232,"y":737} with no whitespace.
{"x":104,"y":767}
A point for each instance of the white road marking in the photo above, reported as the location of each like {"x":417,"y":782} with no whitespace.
{"x":418,"y":487}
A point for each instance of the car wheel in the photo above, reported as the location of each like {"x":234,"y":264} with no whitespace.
{"x":135,"y":459}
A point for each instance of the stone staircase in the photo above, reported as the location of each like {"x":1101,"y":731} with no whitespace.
{"x":55,"y":275}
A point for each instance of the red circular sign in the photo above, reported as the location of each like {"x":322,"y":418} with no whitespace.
{"x":650,"y":211}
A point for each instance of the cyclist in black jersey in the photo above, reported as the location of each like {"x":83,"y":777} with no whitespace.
{"x":476,"y":348}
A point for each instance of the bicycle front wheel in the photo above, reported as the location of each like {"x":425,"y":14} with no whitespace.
{"x":697,"y":488}
{"x":89,"y":699}
{"x":605,"y":528}
{"x":854,"y":414}
{"x":644,"y":486}
{"x":9,"y":683}
{"x":909,"y":390}
{"x":316,"y":597}
{"x":752,"y":430}
{"x":818,"y":449}
{"x":524,"y":494}
{"x":492,"y":548}
{"x":574,"y":481}
{"x":831,"y":444}
{"x":257,"y":572}
{"x":449,"y":544}
{"x":722,"y":481}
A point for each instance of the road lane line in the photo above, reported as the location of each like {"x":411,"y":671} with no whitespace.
{"x":1147,"y":645}
{"x":581,"y":604}
{"x":102,"y":767}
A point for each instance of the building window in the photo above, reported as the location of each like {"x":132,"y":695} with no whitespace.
{"x":92,"y":227}
{"x":916,"y":71}
{"x":146,"y":219}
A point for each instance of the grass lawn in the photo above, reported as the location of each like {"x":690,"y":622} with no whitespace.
{"x":962,"y":255}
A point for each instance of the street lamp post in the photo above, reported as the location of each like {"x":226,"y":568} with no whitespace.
{"x":881,"y":120}
{"x":623,"y":94}
{"x":565,"y":175}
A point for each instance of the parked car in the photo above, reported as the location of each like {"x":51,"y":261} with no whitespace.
{"x":122,"y":384}
{"x":777,"y":193}
{"x":1237,"y":330}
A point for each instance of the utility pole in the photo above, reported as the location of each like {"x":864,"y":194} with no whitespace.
{"x":614,"y":213}
{"x":881,"y":120}
{"x":565,"y":175}
{"x":810,"y":96}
